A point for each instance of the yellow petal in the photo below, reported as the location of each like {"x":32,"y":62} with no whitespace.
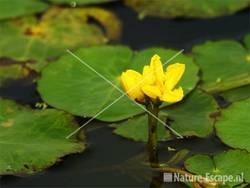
{"x":151,"y":91}
{"x":130,"y":81}
{"x":173,"y":75}
{"x":157,"y":67}
{"x":172,"y":96}
{"x":148,"y":75}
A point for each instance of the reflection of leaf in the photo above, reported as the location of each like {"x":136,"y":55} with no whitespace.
{"x":15,"y":8}
{"x":189,"y":118}
{"x":31,"y":140}
{"x":137,"y":167}
{"x":80,"y":2}
{"x":228,"y":69}
{"x":29,"y":39}
{"x":68,"y":84}
{"x":232,"y":162}
{"x":184,"y":8}
{"x":233,"y":125}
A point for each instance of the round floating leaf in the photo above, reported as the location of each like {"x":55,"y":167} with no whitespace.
{"x":191,"y":117}
{"x":17,"y":8}
{"x":247,"y":41}
{"x":70,"y":85}
{"x":183,"y":8}
{"x":233,"y":125}
{"x":32,"y":140}
{"x":243,"y":92}
{"x":39,"y":41}
{"x":80,"y":2}
{"x":188,"y":118}
{"x":230,"y":163}
{"x":213,"y":56}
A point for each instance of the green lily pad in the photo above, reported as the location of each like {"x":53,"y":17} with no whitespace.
{"x":80,"y":2}
{"x":32,"y":140}
{"x":28,"y":51}
{"x":69,"y":85}
{"x":232,"y":162}
{"x":247,"y":41}
{"x":189,"y":9}
{"x":232,"y":55}
{"x":235,"y":60}
{"x":39,"y":41}
{"x":17,"y":8}
{"x":233,"y":125}
{"x":243,"y":92}
{"x":189,"y":118}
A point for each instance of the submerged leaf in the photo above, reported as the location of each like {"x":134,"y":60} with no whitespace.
{"x":178,"y":157}
{"x":32,"y":140}
{"x":70,"y":85}
{"x":190,"y":8}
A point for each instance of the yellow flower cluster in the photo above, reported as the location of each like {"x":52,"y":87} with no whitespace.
{"x":154,"y":82}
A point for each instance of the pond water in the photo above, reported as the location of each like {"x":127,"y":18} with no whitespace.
{"x":101,"y":164}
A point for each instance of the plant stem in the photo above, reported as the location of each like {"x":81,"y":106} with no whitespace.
{"x":227,"y":84}
{"x":152,"y":132}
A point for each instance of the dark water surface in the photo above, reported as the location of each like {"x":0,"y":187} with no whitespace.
{"x":100,"y":164}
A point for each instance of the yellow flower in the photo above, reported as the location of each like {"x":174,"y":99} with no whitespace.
{"x":154,"y":82}
{"x":131,"y":83}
